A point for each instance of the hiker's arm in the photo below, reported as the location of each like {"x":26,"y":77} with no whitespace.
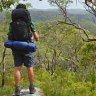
{"x":35,"y":36}
{"x":34,"y":33}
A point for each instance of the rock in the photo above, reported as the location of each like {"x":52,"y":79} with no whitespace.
{"x":25,"y":92}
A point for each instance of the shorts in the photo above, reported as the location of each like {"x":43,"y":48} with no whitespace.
{"x":23,"y":57}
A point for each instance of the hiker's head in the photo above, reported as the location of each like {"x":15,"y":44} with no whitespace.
{"x":21,"y":6}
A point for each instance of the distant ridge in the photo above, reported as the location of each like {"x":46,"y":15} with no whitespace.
{"x":72,"y":11}
{"x":77,"y":11}
{"x":48,"y":14}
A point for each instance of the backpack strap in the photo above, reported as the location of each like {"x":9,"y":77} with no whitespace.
{"x":29,"y":32}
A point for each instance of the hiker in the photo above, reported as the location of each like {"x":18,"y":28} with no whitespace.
{"x":22,"y":29}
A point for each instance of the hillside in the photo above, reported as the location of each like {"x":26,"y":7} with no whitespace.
{"x":65,"y":65}
{"x":43,"y":15}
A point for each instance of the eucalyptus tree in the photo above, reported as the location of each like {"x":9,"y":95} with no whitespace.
{"x":6,"y":4}
{"x":63,"y":6}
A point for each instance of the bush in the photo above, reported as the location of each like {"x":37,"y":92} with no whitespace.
{"x":63,"y":83}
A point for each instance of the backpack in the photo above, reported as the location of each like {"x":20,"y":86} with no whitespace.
{"x":20,"y":25}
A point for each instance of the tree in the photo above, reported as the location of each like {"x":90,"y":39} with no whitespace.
{"x":5,"y":4}
{"x":63,"y":5}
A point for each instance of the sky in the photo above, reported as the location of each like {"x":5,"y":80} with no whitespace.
{"x":45,"y":5}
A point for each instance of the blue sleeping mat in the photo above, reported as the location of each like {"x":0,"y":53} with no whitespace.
{"x":20,"y":45}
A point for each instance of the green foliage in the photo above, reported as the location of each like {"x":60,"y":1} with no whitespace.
{"x":62,"y":83}
{"x":4,"y":4}
{"x":89,"y":47}
{"x":88,"y":54}
{"x":60,"y":2}
{"x":64,"y":64}
{"x":61,"y":45}
{"x":28,"y":5}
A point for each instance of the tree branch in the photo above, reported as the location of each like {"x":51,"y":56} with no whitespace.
{"x":67,"y":19}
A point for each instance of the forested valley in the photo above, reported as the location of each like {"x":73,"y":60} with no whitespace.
{"x":65,"y":64}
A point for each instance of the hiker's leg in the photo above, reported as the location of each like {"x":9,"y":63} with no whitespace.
{"x":17,"y":75}
{"x":30,"y":75}
{"x":31,"y":80}
{"x":18,"y":61}
{"x":29,"y":62}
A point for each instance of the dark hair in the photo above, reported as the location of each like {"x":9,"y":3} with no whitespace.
{"x":21,"y":6}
